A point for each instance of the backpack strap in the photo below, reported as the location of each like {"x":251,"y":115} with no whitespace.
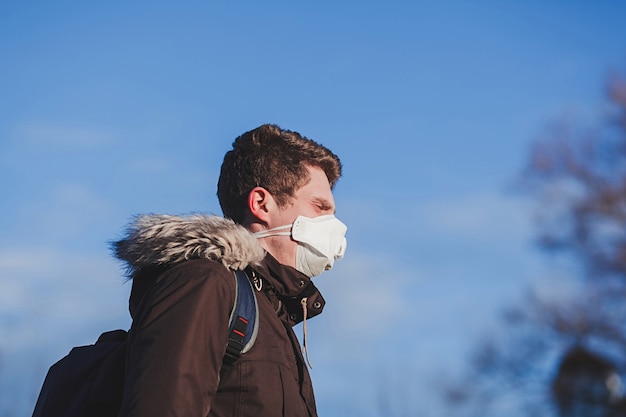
{"x":243,"y":324}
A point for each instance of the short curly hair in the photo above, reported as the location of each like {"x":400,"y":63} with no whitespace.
{"x":274,"y":159}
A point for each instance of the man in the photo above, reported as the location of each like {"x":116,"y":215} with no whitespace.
{"x":275,"y":189}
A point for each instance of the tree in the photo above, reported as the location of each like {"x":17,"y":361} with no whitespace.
{"x":577,"y":175}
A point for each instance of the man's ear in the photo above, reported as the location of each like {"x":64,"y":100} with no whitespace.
{"x":260,"y":202}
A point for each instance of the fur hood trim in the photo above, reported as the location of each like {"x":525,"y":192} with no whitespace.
{"x":161,"y":240}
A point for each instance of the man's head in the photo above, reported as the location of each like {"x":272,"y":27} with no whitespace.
{"x":274,"y":159}
{"x":272,"y":177}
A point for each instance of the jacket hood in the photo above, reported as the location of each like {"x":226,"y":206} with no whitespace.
{"x":163,"y":240}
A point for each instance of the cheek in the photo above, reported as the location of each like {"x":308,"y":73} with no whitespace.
{"x":307,"y":211}
{"x":288,"y":215}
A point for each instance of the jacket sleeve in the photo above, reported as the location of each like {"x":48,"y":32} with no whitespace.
{"x":177,"y":342}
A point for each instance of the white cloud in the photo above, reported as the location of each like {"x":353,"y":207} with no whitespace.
{"x":46,"y":134}
{"x":65,"y":212}
{"x":78,"y":198}
{"x":481,"y":216}
{"x":47,"y":297}
{"x":364,"y":294}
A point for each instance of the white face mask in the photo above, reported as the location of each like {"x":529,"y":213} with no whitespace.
{"x":320,"y":239}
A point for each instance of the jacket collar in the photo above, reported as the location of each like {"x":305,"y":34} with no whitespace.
{"x":289,"y":286}
{"x":284,"y":280}
{"x":164,"y":240}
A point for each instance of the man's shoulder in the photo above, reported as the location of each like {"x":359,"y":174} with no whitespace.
{"x":205,"y":270}
{"x":192,"y":282}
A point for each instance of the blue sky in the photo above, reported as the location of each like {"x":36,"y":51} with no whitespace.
{"x":110,"y":110}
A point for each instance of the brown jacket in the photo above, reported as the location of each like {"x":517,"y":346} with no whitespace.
{"x":182,"y":295}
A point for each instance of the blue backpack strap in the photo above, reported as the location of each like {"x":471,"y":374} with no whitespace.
{"x":243,"y":324}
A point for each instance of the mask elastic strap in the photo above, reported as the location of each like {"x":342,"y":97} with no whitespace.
{"x":273,"y":232}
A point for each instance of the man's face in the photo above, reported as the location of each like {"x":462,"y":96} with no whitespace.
{"x":311,"y":200}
